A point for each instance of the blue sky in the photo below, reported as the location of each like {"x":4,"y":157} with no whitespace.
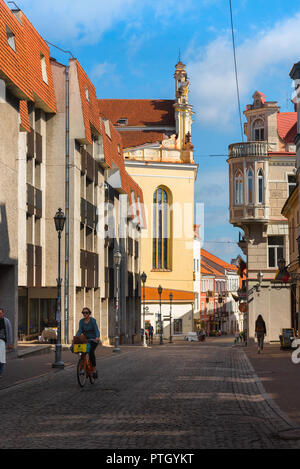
{"x":129,"y":49}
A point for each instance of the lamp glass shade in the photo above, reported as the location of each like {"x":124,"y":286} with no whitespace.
{"x":159,"y":289}
{"x":117,"y":258}
{"x":171,"y":296}
{"x":260,"y":276}
{"x":143,"y":277}
{"x":59,"y":220}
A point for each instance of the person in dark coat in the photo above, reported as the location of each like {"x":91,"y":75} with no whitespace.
{"x":6,"y":338}
{"x":260,"y":332}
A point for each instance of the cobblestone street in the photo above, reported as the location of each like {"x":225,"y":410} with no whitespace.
{"x":194,"y":396}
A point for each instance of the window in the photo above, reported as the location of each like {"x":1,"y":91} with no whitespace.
{"x":161,"y":230}
{"x":260,"y":178}
{"x":258,"y":130}
{"x":44,"y":69}
{"x":275,"y":250}
{"x":87,"y":94}
{"x":250,"y":186}
{"x":122,"y":121}
{"x":238,"y":188}
{"x":107,"y":127}
{"x":291,"y":183}
{"x":177,"y":326}
{"x":10,"y":38}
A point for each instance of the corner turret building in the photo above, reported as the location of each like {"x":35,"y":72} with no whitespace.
{"x":261,"y":177}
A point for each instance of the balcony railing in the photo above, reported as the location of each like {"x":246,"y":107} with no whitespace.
{"x":236,"y":150}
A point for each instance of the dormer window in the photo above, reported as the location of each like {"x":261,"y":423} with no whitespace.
{"x":87,"y":94}
{"x":44,"y":69}
{"x":10,"y":38}
{"x":107,"y":127}
{"x":122,"y":121}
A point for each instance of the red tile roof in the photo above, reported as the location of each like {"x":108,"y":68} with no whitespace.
{"x":137,"y":138}
{"x":151,"y":294}
{"x":217,"y":260}
{"x":21,"y":68}
{"x":89,"y":106}
{"x":112,"y":145}
{"x":263,"y":96}
{"x":139,"y":112}
{"x":205,"y":269}
{"x":287,"y":126}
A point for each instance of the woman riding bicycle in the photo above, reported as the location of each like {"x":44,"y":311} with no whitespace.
{"x":89,"y":328}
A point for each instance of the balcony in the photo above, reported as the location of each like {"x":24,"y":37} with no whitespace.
{"x":238,"y":150}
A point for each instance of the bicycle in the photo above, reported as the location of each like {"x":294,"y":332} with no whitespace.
{"x":84,"y":368}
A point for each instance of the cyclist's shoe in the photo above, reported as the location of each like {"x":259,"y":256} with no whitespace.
{"x":95,"y":375}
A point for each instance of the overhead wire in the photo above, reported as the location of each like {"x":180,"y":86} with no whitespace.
{"x":235,"y":70}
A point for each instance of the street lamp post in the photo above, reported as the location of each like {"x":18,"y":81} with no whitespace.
{"x":144,"y":278}
{"x":171,"y":298}
{"x":117,"y":262}
{"x":160,"y":289}
{"x":59,"y":221}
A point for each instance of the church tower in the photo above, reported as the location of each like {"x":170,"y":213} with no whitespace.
{"x":158,"y":154}
{"x":183,"y":111}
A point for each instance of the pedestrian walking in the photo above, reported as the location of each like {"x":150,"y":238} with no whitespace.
{"x":260,"y":332}
{"x":237,"y":337}
{"x":150,"y":330}
{"x":6,"y":338}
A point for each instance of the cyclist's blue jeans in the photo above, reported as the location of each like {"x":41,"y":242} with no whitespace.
{"x":92,"y":352}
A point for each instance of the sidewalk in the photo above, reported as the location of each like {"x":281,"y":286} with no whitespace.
{"x":279,"y":376}
{"x":35,"y":360}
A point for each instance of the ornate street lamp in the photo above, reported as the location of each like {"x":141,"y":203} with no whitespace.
{"x":160,"y":289}
{"x":117,"y":262}
{"x":171,"y":298}
{"x":59,"y":221}
{"x":260,"y":277}
{"x":144,"y":278}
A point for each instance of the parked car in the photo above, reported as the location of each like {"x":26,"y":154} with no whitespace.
{"x":191,"y":336}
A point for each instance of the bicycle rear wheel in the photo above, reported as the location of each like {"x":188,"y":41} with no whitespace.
{"x":81,"y":372}
{"x":90,"y":373}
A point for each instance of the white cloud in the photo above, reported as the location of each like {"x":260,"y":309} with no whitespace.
{"x":212,"y":188}
{"x":211,"y":70}
{"x":74,"y":20}
{"x":100,"y":70}
{"x":77,"y":22}
{"x":225,"y":248}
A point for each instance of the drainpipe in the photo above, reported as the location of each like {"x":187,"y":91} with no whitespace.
{"x":67,"y":192}
{"x":67,"y":212}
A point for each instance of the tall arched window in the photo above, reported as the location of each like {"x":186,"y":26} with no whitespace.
{"x":250,"y":186}
{"x":260,"y":178}
{"x":238,"y":188}
{"x":258,"y":130}
{"x":161,"y":229}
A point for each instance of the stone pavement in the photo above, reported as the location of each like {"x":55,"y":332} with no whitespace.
{"x":192,"y":396}
{"x":279,"y":376}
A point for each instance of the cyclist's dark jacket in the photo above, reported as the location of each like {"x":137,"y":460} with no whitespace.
{"x":90,"y":330}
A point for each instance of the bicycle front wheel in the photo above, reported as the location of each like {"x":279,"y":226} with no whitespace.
{"x":81,"y":372}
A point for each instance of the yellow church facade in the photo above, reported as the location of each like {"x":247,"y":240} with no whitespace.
{"x":158,"y":154}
